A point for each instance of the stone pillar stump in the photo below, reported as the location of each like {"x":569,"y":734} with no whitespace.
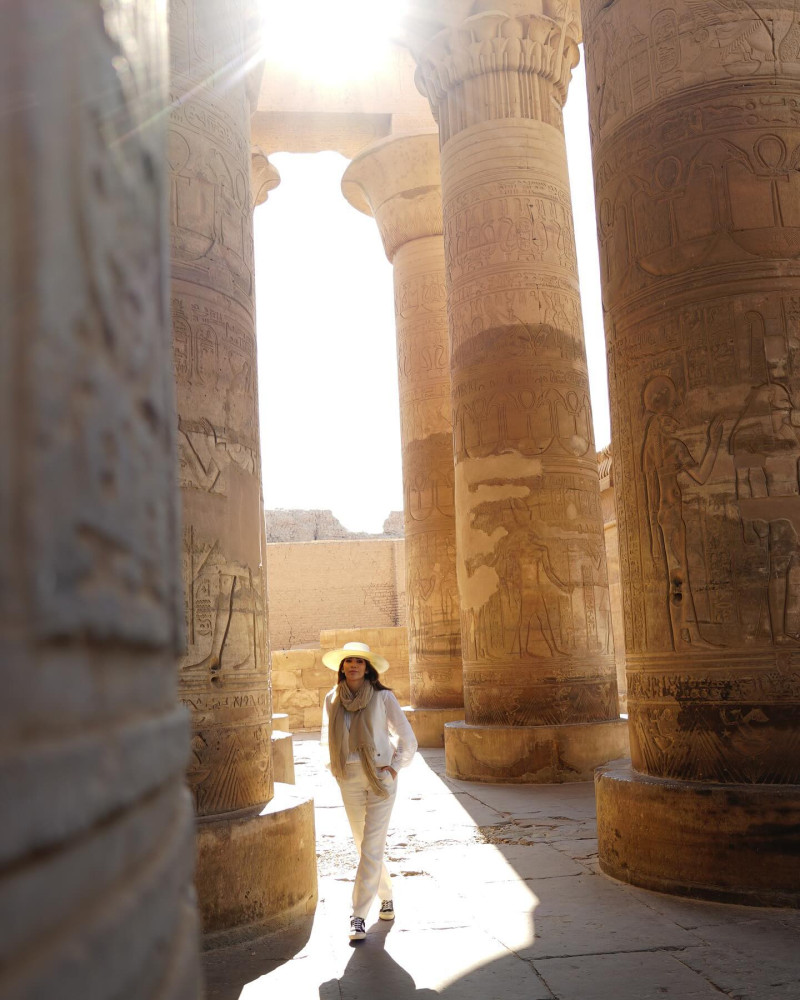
{"x":397,"y":181}
{"x":224,"y":676}
{"x":536,"y":630}
{"x":695,"y":153}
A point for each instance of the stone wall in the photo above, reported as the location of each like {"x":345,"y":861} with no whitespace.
{"x":300,"y":681}
{"x":291,"y":525}
{"x":314,"y":586}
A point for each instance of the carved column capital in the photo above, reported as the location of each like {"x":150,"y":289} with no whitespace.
{"x":264,"y":177}
{"x":497,"y":65}
{"x":398,"y":182}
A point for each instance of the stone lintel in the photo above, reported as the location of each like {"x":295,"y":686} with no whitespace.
{"x":428,"y":723}
{"x":397,"y":181}
{"x":257,"y":869}
{"x":532,"y":754}
{"x":730,"y":843}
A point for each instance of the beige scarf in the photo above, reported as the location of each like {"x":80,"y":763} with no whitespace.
{"x":361,"y":738}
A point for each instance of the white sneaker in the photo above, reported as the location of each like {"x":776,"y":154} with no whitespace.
{"x":358,"y":929}
{"x":387,"y":910}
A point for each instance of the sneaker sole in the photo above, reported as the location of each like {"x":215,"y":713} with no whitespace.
{"x":386,"y":916}
{"x":358,"y":935}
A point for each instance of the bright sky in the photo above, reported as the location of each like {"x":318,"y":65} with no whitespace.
{"x":330,"y":431}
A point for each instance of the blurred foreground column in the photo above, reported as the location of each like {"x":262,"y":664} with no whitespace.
{"x":539,"y":683}
{"x":256,"y":867}
{"x":397,"y":181}
{"x":96,"y":844}
{"x":696,"y":145}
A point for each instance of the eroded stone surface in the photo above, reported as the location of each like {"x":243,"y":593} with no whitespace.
{"x":96,"y":840}
{"x":224,"y":674}
{"x":698,"y":223}
{"x":697,"y":214}
{"x":535,"y":614}
{"x":397,"y":181}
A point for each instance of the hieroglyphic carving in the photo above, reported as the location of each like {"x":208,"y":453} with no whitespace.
{"x":536,"y":626}
{"x":398,"y":180}
{"x":94,"y":742}
{"x":700,"y":235}
{"x":110,"y":542}
{"x":218,"y":443}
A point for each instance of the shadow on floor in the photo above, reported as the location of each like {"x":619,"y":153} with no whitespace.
{"x":372,"y":972}
{"x":228,"y":970}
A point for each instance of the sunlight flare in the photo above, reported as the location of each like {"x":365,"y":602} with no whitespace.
{"x":327,"y":42}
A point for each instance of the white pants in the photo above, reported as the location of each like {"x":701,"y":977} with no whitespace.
{"x":369,"y":816}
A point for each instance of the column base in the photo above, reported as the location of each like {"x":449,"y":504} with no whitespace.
{"x":730,"y":843}
{"x":428,"y":723}
{"x":282,"y":757}
{"x":256,"y":869}
{"x":532,"y":754}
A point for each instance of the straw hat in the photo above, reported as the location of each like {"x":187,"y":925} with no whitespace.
{"x":333,"y":658}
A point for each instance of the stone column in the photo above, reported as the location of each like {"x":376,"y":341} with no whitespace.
{"x":246,"y":881}
{"x":609,"y":508}
{"x":96,"y":839}
{"x":695,"y":145}
{"x":397,"y":181}
{"x":539,"y":682}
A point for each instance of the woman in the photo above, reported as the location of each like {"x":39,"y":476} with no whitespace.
{"x":359,"y":715}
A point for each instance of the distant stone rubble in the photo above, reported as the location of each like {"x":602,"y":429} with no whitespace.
{"x":321,"y":525}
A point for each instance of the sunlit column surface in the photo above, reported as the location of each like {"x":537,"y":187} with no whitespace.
{"x":695,"y":147}
{"x":244,"y":880}
{"x":397,"y":181}
{"x":96,"y":851}
{"x":539,"y":682}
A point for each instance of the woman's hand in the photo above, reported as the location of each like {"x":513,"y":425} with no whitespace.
{"x":394,"y":773}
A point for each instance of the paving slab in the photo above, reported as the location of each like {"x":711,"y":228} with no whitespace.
{"x":499,"y":896}
{"x":753,"y":959}
{"x":638,"y":976}
{"x":580,"y":915}
{"x":500,"y":863}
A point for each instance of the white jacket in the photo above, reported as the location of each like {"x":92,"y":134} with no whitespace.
{"x":390,"y":720}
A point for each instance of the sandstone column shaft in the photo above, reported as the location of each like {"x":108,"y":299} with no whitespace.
{"x":536,"y":627}
{"x":695,"y":152}
{"x":96,"y":839}
{"x":397,"y":181}
{"x":256,"y":863}
{"x":224,"y":675}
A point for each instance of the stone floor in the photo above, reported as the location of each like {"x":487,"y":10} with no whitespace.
{"x":499,"y":897}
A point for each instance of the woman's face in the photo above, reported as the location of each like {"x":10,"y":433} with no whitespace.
{"x":354,"y":668}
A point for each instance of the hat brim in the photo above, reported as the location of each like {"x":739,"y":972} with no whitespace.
{"x":333,"y":658}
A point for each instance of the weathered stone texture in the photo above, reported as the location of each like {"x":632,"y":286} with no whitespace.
{"x":224,"y":675}
{"x":96,"y":840}
{"x":321,"y":525}
{"x":397,"y":181}
{"x":535,"y":612}
{"x":695,"y":144}
{"x":321,"y":585}
{"x":608,"y":506}
{"x":694,"y":137}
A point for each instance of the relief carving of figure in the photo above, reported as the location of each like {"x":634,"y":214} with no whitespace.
{"x":530,"y":588}
{"x":665,"y":457}
{"x":766,"y":451}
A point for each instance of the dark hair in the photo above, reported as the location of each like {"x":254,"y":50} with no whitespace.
{"x":371,"y":674}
